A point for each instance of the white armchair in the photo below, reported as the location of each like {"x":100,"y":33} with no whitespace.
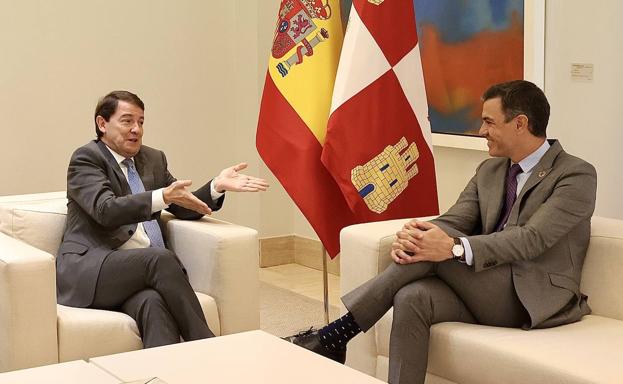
{"x":588,"y":351}
{"x":221,"y":259}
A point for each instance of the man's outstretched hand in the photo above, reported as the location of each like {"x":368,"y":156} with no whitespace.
{"x":230,"y":179}
{"x":176,"y":193}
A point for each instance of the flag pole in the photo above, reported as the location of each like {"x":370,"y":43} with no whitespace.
{"x":325,"y":281}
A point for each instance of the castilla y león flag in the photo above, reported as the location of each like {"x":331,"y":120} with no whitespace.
{"x":378,"y":146}
{"x":295,"y":108}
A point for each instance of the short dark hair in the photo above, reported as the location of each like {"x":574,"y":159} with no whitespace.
{"x":522,"y":97}
{"x":107,"y":106}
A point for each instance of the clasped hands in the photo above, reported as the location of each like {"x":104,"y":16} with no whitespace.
{"x":421,"y":241}
{"x":229,"y":179}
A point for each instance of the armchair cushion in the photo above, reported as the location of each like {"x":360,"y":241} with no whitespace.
{"x":38,"y":222}
{"x":94,"y":332}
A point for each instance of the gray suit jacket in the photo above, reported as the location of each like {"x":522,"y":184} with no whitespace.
{"x":546,"y":236}
{"x":102,"y":214}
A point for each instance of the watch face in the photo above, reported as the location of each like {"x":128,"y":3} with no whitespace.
{"x":457,"y":250}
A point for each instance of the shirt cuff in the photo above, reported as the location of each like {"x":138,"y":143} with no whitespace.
{"x":469,"y":255}
{"x":157,"y":201}
{"x":214,"y":193}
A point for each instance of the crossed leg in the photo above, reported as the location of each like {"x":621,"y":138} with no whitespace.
{"x":150,"y":285}
{"x":423,"y":294}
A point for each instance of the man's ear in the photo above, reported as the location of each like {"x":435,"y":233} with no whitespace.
{"x":521,"y":122}
{"x":100,"y":121}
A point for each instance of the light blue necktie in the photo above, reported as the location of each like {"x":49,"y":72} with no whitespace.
{"x":136,"y":185}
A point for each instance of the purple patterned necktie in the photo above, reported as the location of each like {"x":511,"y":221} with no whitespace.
{"x":511,"y":195}
{"x":151,"y":227}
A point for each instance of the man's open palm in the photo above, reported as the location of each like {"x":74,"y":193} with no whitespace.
{"x":230,"y":179}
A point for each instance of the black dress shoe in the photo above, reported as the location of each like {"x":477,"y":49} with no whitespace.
{"x":310,"y":340}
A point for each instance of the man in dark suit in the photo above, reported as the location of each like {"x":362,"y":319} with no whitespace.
{"x":508,"y":253}
{"x":113,"y":255}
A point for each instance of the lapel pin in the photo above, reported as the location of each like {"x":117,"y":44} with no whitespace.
{"x":542,"y":174}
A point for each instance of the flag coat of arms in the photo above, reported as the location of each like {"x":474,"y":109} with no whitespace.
{"x":378,"y":146}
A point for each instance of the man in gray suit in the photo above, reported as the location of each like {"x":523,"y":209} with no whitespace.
{"x":113,"y":255}
{"x":508,"y":253}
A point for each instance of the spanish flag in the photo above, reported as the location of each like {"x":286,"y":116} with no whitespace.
{"x":295,"y":108}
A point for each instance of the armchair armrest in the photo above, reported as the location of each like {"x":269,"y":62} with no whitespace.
{"x":27,"y":306}
{"x":222,"y":261}
{"x":365,"y":251}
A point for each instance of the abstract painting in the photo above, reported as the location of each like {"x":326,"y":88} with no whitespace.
{"x":466,"y":46}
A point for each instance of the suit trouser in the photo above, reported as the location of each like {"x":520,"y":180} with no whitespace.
{"x":150,"y":285}
{"x":424,"y":294}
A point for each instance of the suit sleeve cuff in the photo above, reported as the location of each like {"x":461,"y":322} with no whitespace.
{"x":157,"y":201}
{"x":469,"y":255}
{"x":214,"y":193}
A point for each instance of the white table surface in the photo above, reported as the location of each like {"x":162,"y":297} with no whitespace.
{"x":73,"y":372}
{"x":248,"y":357}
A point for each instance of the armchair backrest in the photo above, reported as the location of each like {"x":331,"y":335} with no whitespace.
{"x":603,"y":268}
{"x":37,"y":219}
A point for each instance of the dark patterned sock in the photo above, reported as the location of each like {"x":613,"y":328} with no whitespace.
{"x":335,"y":335}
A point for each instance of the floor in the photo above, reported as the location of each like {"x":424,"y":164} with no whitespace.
{"x":302,"y":280}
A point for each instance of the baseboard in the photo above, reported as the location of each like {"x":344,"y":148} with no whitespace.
{"x":288,"y":249}
{"x":276,"y":251}
{"x":308,"y":252}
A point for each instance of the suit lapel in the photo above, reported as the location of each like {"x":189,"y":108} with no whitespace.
{"x":539,"y":173}
{"x":112,"y":163}
{"x":496,"y":198}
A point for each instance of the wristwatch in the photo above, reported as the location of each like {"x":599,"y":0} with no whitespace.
{"x":458,"y":251}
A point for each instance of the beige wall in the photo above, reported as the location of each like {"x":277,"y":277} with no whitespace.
{"x":59,"y":57}
{"x":586,"y":115}
{"x":200,"y":66}
{"x":194,"y":63}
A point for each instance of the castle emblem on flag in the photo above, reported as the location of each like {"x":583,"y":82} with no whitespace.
{"x":376,"y":2}
{"x":295,"y":26}
{"x":383,"y":178}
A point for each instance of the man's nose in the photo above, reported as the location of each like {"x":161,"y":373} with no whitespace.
{"x":483,"y":130}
